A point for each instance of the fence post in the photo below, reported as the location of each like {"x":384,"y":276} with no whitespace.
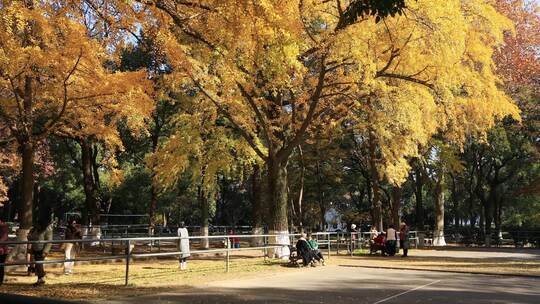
{"x":329,"y":242}
{"x":128,"y":257}
{"x":159,"y":243}
{"x":337,"y":243}
{"x":265,"y":244}
{"x":351,"y":244}
{"x":227,"y":255}
{"x":112,"y":242}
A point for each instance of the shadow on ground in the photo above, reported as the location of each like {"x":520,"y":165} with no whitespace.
{"x":341,"y":285}
{"x":357,"y":292}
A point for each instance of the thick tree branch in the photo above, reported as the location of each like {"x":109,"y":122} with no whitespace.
{"x":315,"y":97}
{"x":228,"y":115}
{"x":65,"y":84}
{"x":393,"y":55}
{"x":260,"y":117}
{"x":406,"y":78}
{"x":16,"y":92}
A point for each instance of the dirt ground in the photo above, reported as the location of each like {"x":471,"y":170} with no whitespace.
{"x":106,"y":281}
{"x":477,"y":260}
{"x":351,"y":284}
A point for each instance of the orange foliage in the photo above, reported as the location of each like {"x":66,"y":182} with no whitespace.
{"x":518,"y":61}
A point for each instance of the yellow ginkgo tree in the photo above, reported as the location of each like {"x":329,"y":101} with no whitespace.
{"x":202,"y":147}
{"x":278,"y":70}
{"x":56,"y":78}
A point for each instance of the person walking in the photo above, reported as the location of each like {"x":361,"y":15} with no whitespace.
{"x":183,"y":245}
{"x":39,"y":250}
{"x":4,"y":234}
{"x":73,"y":232}
{"x":404,"y":239}
{"x":391,"y":238}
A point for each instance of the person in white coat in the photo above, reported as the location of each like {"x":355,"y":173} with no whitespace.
{"x":183,"y":245}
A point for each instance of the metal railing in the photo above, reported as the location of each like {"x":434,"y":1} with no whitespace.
{"x":129,"y":243}
{"x":351,"y":241}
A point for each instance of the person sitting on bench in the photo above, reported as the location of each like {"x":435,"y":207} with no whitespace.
{"x":303,"y":249}
{"x":373,"y":233}
{"x":317,"y":254}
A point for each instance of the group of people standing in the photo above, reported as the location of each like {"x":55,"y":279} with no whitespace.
{"x":391,"y":236}
{"x":37,"y":252}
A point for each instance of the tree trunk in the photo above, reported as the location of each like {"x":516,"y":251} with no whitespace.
{"x":257,"y":206}
{"x":301,"y":191}
{"x":498,"y":216}
{"x":25,"y":209}
{"x":153,"y":201}
{"x":377,"y":218}
{"x":277,"y":193}
{"x":90,"y":191}
{"x":438,"y":235}
{"x":26,"y":142}
{"x":489,"y":206}
{"x":396,"y":204}
{"x":418,"y":189}
{"x":481,"y":222}
{"x":320,"y":193}
{"x":369,"y":190}
{"x":153,"y":186}
{"x":205,"y":209}
{"x":277,"y":196}
{"x":455,"y":201}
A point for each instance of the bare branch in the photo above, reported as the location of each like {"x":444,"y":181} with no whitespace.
{"x":406,"y":78}
{"x":16,"y":92}
{"x":54,"y":121}
{"x":394,"y":53}
{"x":315,"y":97}
{"x":306,"y":29}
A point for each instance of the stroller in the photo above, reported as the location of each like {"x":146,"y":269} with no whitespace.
{"x":378,"y":243}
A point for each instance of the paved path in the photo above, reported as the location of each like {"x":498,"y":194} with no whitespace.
{"x":479,"y":253}
{"x":343,"y":284}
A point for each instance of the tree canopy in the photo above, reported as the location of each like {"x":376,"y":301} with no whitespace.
{"x":300,"y":106}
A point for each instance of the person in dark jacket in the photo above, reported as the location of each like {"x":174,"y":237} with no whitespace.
{"x":404,"y":239}
{"x":39,"y":250}
{"x":73,"y":232}
{"x":4,"y":231}
{"x":304,"y":250}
